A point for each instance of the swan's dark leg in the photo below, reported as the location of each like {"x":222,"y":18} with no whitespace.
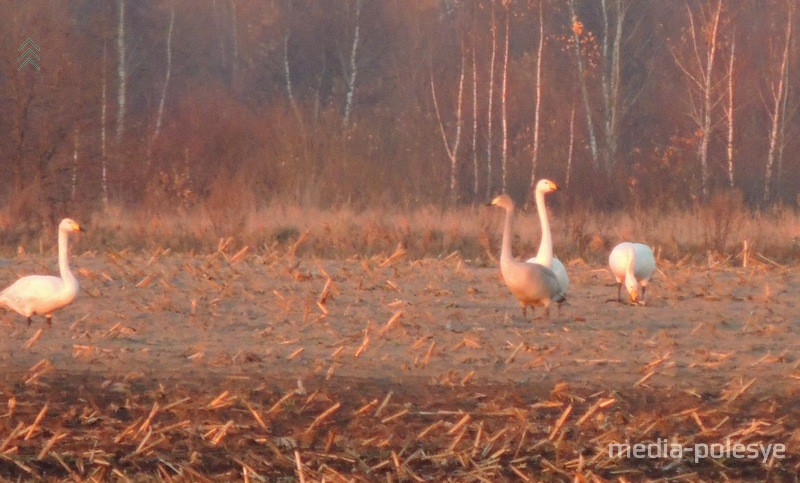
{"x":29,"y":321}
{"x":49,"y":320}
{"x":619,"y":292}
{"x":560,"y":303}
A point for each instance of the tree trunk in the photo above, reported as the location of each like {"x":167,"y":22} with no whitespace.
{"x":702,"y":90}
{"x":351,"y":83}
{"x":576,"y":31}
{"x":538,"y":103}
{"x":504,"y":113}
{"x":103,"y":151}
{"x":160,"y":114}
{"x":222,"y":50}
{"x":571,"y":151}
{"x":778,"y":96}
{"x":611,"y":82}
{"x":475,"y":182}
{"x":288,"y":72}
{"x":782,"y":135}
{"x":729,"y":111}
{"x":489,"y":184}
{"x":707,"y":103}
{"x":452,"y":151}
{"x":74,"y":181}
{"x":122,"y":75}
{"x":235,"y":40}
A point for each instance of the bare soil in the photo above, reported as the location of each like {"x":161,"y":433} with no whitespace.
{"x":267,"y":367}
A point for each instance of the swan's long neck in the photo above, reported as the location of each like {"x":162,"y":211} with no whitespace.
{"x":505,"y":251}
{"x":545,"y":254}
{"x":63,"y":257}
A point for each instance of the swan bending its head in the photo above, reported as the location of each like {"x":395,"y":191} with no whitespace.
{"x":44,"y":294}
{"x":545,"y":254}
{"x":532,"y":284}
{"x":633,"y":264}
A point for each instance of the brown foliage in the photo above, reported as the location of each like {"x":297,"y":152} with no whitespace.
{"x":230,"y":202}
{"x":721,"y":218}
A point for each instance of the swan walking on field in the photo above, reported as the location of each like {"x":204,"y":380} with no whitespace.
{"x":44,"y":294}
{"x":532,"y":284}
{"x":632,"y":263}
{"x":545,"y":254}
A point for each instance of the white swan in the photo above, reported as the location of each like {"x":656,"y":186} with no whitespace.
{"x":634,"y":264}
{"x":532,"y":284}
{"x":43,"y":294}
{"x":545,"y":254}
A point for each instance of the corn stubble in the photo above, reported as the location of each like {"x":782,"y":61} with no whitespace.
{"x":271,"y":364}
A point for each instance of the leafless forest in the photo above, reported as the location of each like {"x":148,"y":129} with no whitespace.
{"x":221,"y":108}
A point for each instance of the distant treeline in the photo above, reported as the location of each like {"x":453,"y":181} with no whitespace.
{"x":165,"y":105}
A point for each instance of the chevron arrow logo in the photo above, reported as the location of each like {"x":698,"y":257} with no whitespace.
{"x":29,"y":41}
{"x":29,"y":55}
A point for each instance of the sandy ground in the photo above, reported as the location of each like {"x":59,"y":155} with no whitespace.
{"x":263,"y":366}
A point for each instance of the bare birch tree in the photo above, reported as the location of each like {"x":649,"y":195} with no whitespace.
{"x":287,"y":70}
{"x":778,"y":108}
{"x":538,"y":101}
{"x":103,"y":110}
{"x":503,"y":111}
{"x":167,"y":75}
{"x":703,"y":91}
{"x":782,"y":135}
{"x":571,"y":149}
{"x":351,"y":82}
{"x":452,"y":150}
{"x":220,"y":38}
{"x":729,"y":110}
{"x":234,"y":39}
{"x":475,"y":179}
{"x":611,"y":80}
{"x":122,"y":74}
{"x":73,"y":187}
{"x":489,"y":144}
{"x":577,"y":29}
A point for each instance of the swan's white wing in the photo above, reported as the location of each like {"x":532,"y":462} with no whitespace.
{"x":36,"y":294}
{"x":618,"y":259}
{"x":645,"y":262}
{"x":531,"y":283}
{"x":559,"y":270}
{"x":561,"y":274}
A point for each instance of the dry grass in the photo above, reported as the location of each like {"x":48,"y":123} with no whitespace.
{"x":437,"y":232}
